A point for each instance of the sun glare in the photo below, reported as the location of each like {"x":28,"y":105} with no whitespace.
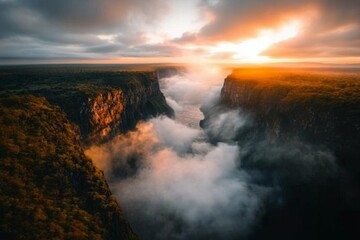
{"x":250,"y":50}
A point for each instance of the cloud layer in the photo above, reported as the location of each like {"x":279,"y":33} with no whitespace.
{"x":120,"y":30}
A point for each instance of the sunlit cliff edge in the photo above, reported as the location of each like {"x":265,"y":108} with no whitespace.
{"x":103,"y":102}
{"x":321,"y":106}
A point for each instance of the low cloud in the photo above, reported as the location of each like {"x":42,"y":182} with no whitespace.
{"x":182,"y":187}
{"x":225,"y":125}
{"x":176,"y":181}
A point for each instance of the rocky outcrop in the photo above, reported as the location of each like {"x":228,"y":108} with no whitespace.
{"x":109,"y":112}
{"x":102,"y":102}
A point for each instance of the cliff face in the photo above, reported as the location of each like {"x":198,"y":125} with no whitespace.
{"x":101,"y":102}
{"x":296,"y":116}
{"x":322,"y":108}
{"x":48,"y":188}
{"x":104,"y":114}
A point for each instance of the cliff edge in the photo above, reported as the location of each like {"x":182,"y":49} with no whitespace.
{"x":321,"y":106}
{"x":103,"y":102}
{"x":301,"y":138}
{"x":48,"y":188}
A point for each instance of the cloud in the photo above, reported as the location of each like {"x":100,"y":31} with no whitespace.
{"x":203,"y":193}
{"x":84,"y":15}
{"x":329,"y":27}
{"x":179,"y":182}
{"x":172,"y":182}
{"x":194,"y":86}
{"x":75,"y":26}
{"x":234,"y":20}
{"x":160,"y":29}
{"x":175,"y":135}
{"x":176,"y":181}
{"x":224,"y":126}
{"x":340,"y":41}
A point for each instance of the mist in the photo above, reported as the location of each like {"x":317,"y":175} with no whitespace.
{"x":176,"y":180}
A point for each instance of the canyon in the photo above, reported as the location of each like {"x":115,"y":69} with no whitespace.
{"x":277,"y":148}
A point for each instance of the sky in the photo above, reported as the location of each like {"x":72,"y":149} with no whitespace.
{"x":176,"y":31}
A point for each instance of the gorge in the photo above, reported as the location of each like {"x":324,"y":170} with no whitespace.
{"x":275,"y":156}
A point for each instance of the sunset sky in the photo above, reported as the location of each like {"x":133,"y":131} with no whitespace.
{"x":138,"y":31}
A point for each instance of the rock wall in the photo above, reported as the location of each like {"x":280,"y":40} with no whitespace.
{"x":318,"y":108}
{"x":272,"y":114}
{"x":102,"y":115}
{"x":111,"y":106}
{"x":102,"y":101}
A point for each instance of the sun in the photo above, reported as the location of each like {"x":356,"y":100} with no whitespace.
{"x":250,"y":50}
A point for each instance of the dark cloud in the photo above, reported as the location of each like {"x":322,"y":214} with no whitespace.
{"x":105,"y":48}
{"x":330,"y":28}
{"x":83,"y":15}
{"x":71,"y":29}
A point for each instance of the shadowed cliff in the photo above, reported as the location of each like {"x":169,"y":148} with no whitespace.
{"x":302,"y":137}
{"x":317,"y":106}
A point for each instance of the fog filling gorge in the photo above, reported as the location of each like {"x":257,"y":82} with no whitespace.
{"x":174,"y":184}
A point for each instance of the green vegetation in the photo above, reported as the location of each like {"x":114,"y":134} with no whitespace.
{"x":47,"y":81}
{"x":286,"y":87}
{"x":75,"y":88}
{"x":48,"y":188}
{"x":318,"y":106}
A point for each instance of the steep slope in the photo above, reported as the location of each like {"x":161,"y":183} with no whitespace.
{"x":301,"y":139}
{"x":101,"y":101}
{"x":317,"y":106}
{"x":48,"y":188}
{"x":113,"y":105}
